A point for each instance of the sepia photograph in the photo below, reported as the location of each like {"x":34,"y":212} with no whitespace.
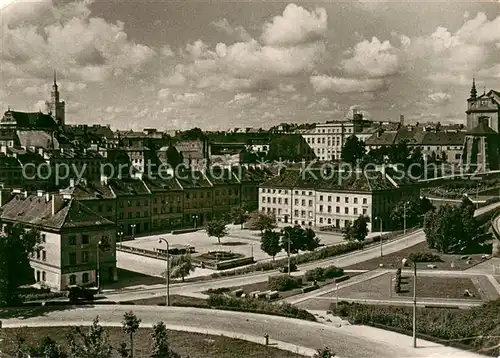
{"x":249,"y":178}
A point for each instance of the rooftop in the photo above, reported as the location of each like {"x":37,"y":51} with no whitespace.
{"x":128,"y":186}
{"x":90,"y":190}
{"x":160,"y":185}
{"x":35,"y":210}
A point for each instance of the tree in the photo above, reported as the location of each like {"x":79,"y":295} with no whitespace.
{"x":300,"y":239}
{"x":288,"y":147}
{"x":429,"y":229}
{"x":416,"y":208}
{"x":270,"y":243}
{"x":311,"y":241}
{"x":216,"y":228}
{"x":358,"y":230}
{"x":174,"y":158}
{"x":262,"y":221}
{"x":182,"y":266}
{"x":238,"y":215}
{"x":130,"y":326}
{"x":324,"y":353}
{"x":353,"y":150}
{"x":91,"y":344}
{"x":161,"y":347}
{"x":15,"y":248}
{"x":48,"y":348}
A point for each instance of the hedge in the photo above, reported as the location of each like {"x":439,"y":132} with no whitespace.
{"x":424,"y":257}
{"x":284,"y":282}
{"x":253,"y":305}
{"x":442,"y":324}
{"x":323,"y":273}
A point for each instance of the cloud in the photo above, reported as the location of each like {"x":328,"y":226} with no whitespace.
{"x":174,"y":80}
{"x":39,"y":106}
{"x":295,"y":26}
{"x":322,"y":83}
{"x":102,"y":50}
{"x":237,"y":32}
{"x":190,"y":99}
{"x":287,"y":88}
{"x":243,"y":99}
{"x":438,"y":98}
{"x":373,"y":59}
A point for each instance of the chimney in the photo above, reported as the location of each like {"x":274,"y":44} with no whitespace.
{"x":47,"y":197}
{"x":25,"y":194}
{"x":3,"y":149}
{"x":72,"y":183}
{"x":39,"y":193}
{"x":402,"y":119}
{"x":104,"y":180}
{"x":40,"y":151}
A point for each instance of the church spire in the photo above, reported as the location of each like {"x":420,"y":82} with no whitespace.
{"x":54,"y":86}
{"x":473,"y":91}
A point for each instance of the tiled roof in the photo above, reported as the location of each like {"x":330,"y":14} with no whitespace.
{"x":90,"y":190}
{"x":32,"y":119}
{"x":219,"y":176}
{"x":314,"y":179}
{"x":193,"y":180}
{"x":384,"y":138}
{"x":37,"y":139}
{"x":161,"y":185}
{"x":128,"y":186}
{"x":73,"y":154}
{"x":252,"y":175}
{"x":36,"y":210}
{"x":7,"y":134}
{"x":440,"y":138}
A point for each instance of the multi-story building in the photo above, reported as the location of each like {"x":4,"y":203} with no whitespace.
{"x":332,"y":198}
{"x":166,"y":203}
{"x":327,"y":139}
{"x":225,"y":190}
{"x":133,"y":205}
{"x":250,"y":179}
{"x":76,"y":242}
{"x":198,"y":200}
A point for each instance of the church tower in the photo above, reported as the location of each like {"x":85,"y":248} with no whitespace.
{"x":56,"y":107}
{"x":484,"y":107}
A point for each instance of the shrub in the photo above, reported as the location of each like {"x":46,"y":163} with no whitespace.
{"x":218,"y":290}
{"x":333,"y":271}
{"x":450,"y":325}
{"x":323,"y":273}
{"x":424,"y":257}
{"x":284,"y":282}
{"x":258,"y":306}
{"x":42,"y":296}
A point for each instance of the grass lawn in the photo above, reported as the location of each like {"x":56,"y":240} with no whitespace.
{"x":439,"y":287}
{"x":186,"y":344}
{"x":394,"y":260}
{"x":175,"y":300}
{"x":128,"y":278}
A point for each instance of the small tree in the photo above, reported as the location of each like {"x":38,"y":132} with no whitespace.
{"x":182,"y":266}
{"x":130,"y":325}
{"x":48,"y":348}
{"x":216,"y":228}
{"x":238,"y":215}
{"x":91,"y":344}
{"x":161,"y":347}
{"x":358,"y":230}
{"x":353,"y":150}
{"x":270,"y":243}
{"x":324,"y":353}
{"x":262,"y":221}
{"x":311,"y":241}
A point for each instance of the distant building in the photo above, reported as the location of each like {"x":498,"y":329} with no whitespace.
{"x":482,"y":148}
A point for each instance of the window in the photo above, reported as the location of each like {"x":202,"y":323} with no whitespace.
{"x":44,"y":255}
{"x":44,"y":276}
{"x":347,"y":200}
{"x":72,"y":279}
{"x":44,"y":239}
{"x":346,"y":210}
{"x":338,"y":199}
{"x":38,"y":255}
{"x":321,"y":208}
{"x":355,"y":200}
{"x":365,"y":201}
{"x":364,"y":211}
{"x":85,"y":256}
{"x":355,"y":211}
{"x":72,"y":258}
{"x":85,"y":277}
{"x":321,"y":220}
{"x":321,"y":198}
{"x":85,"y":239}
{"x":337,"y":209}
{"x":286,"y":201}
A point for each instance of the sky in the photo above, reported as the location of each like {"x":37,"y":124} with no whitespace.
{"x":178,"y":64}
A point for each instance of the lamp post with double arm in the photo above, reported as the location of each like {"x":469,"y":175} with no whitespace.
{"x":98,"y":275}
{"x":381,"y":241}
{"x":167,"y":271}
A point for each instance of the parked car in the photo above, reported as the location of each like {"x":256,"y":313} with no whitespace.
{"x":284,"y":269}
{"x":76,"y":293}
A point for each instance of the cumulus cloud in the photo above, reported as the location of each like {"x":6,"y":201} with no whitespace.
{"x":295,"y":26}
{"x":174,"y":80}
{"x":243,"y":99}
{"x":323,"y":83}
{"x":102,"y":50}
{"x":237,"y":32}
{"x":287,"y":88}
{"x":372,"y":58}
{"x":39,"y":106}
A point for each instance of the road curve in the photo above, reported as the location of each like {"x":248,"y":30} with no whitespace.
{"x":200,"y":286}
{"x":347,"y":341}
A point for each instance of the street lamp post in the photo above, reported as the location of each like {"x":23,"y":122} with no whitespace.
{"x":380,"y":219}
{"x":289,"y":261}
{"x":133,"y":231}
{"x":404,"y":217}
{"x":195,"y":218}
{"x":98,"y":276}
{"x":414,"y":304}
{"x":120,"y":235}
{"x":167,"y":271}
{"x":252,"y":253}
